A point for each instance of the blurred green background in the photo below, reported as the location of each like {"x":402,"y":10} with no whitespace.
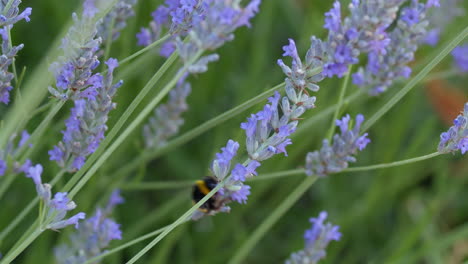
{"x":409,"y":214}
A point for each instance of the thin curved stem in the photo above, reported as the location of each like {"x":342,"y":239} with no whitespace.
{"x":393,"y":164}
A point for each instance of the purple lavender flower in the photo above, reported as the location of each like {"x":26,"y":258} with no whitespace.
{"x":364,"y":30}
{"x":220,"y":20}
{"x":55,"y":209}
{"x":267,"y":131}
{"x":460,"y":55}
{"x":6,"y":59}
{"x":74,"y":70}
{"x":12,"y":15}
{"x":87,"y":123}
{"x":167,"y":119}
{"x":116,"y":20}
{"x":317,"y":239}
{"x":221,"y":165}
{"x":335,"y":158}
{"x":384,"y":67}
{"x":92,"y":236}
{"x":456,"y":138}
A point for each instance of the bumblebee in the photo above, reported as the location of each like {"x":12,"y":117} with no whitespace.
{"x":202,"y":188}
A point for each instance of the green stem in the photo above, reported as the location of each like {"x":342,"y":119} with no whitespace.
{"x":145,"y":49}
{"x":260,"y":231}
{"x":415,"y":80}
{"x":393,"y":164}
{"x":115,"y":129}
{"x":280,"y":174}
{"x":126,"y":245}
{"x":17,"y":249}
{"x":344,"y":86}
{"x":148,"y":155}
{"x":176,"y":223}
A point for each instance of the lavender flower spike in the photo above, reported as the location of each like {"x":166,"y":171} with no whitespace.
{"x":317,"y":239}
{"x":456,"y":138}
{"x":167,"y":118}
{"x":92,"y":236}
{"x":55,"y":209}
{"x":335,"y":158}
{"x":116,"y":20}
{"x":74,"y":70}
{"x":392,"y":62}
{"x":7,"y":19}
{"x":87,"y":124}
{"x":268,"y":131}
{"x":363,"y":31}
{"x":220,"y":20}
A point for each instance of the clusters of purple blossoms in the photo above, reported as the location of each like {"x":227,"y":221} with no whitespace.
{"x":92,"y":236}
{"x":7,"y":19}
{"x":12,"y":148}
{"x":174,"y":16}
{"x":334,"y":158}
{"x":56,"y":208}
{"x":267,"y":131}
{"x":363,"y":31}
{"x":167,"y":119}
{"x":116,"y":20}
{"x":456,"y":138}
{"x":441,"y":18}
{"x":392,"y":61}
{"x":74,"y":70}
{"x":220,"y":20}
{"x":460,"y":55}
{"x":86,"y":125}
{"x":317,"y":239}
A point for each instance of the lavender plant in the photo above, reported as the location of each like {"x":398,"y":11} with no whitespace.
{"x":382,"y":34}
{"x":317,"y":239}
{"x":86,"y":125}
{"x":167,"y":118}
{"x":456,"y":138}
{"x":334,"y":157}
{"x":116,"y":20}
{"x":92,"y":236}
{"x":391,"y":62}
{"x":9,"y":16}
